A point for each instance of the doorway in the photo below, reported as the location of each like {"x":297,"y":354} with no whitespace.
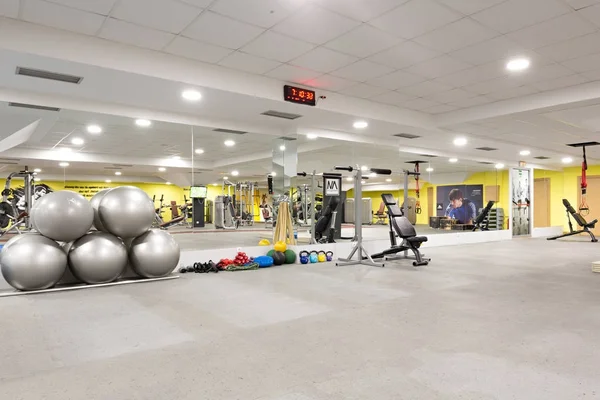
{"x":541,"y":202}
{"x":593,"y":199}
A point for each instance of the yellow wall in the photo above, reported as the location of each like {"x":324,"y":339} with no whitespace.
{"x":375,"y":197}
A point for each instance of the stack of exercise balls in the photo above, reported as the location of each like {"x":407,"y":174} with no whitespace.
{"x":36,"y":261}
{"x":281,"y":254}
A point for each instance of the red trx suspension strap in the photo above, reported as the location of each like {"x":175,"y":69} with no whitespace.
{"x":583,"y":207}
{"x":417,"y":174}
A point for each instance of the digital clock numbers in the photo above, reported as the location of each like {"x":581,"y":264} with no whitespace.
{"x":301,"y":96}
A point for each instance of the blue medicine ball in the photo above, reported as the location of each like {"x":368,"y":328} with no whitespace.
{"x":264,"y":261}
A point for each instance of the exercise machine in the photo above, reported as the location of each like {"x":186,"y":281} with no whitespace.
{"x":482,"y":222}
{"x":401,"y":227}
{"x":308,"y":210}
{"x":358,"y":248}
{"x":225,"y":216}
{"x":586,"y":226}
{"x":243,"y":202}
{"x":10,"y":217}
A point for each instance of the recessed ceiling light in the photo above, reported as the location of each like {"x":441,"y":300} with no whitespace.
{"x":225,"y":178}
{"x":388,"y":180}
{"x":360,"y":124}
{"x":525,"y":152}
{"x":37,"y":179}
{"x":312,"y":136}
{"x":77,"y":141}
{"x":235,"y":173}
{"x":162,"y":169}
{"x":363,"y":182}
{"x":453,"y":160}
{"x":461,"y":141}
{"x":364,"y":168}
{"x":229,"y":143}
{"x":282,"y":148}
{"x":429,"y":169}
{"x":144,"y":123}
{"x":373,"y":175}
{"x":499,"y":166}
{"x":517,"y":64}
{"x":273,"y":173}
{"x":94,"y":129}
{"x":191,"y":95}
{"x":108,"y":181}
{"x":199,"y":151}
{"x":167,"y":183}
{"x":567,"y":160}
{"x":63,"y":164}
{"x":215,"y":184}
{"x":37,"y":170}
{"x":118,"y":173}
{"x":176,"y":157}
{"x":349,"y":179}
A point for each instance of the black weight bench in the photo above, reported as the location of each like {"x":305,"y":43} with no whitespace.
{"x":482,"y":221}
{"x":580,"y":221}
{"x":400,"y":226}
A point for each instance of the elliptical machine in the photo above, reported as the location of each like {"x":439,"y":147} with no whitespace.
{"x":8,"y":209}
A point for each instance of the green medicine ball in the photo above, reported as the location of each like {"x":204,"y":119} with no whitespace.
{"x":270,"y":253}
{"x":290,"y":257}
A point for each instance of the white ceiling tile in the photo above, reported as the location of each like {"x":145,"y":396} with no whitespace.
{"x":451,"y":96}
{"x":517,"y":14}
{"x":9,"y":8}
{"x":362,"y":71}
{"x":265,"y":13}
{"x":404,"y":55}
{"x":578,"y":4}
{"x":316,"y":25}
{"x":469,"y":7}
{"x":61,"y":17}
{"x":592,"y":14}
{"x":396,"y":80}
{"x":393,"y":98}
{"x":439,"y":66}
{"x":364,"y":91}
{"x":363,"y":41}
{"x":492,"y":85}
{"x":426,"y":88}
{"x":197,"y":3}
{"x":293,"y":74}
{"x":420,"y":104}
{"x":553,"y":31}
{"x":96,"y":6}
{"x":221,"y":31}
{"x":593,"y":75}
{"x":324,"y":60}
{"x":189,"y":48}
{"x":332,"y":83}
{"x":472,"y":102}
{"x":124,"y":32}
{"x":542,"y":73}
{"x":584,"y":64}
{"x":249,"y":63}
{"x":573,"y":48}
{"x":476,"y":74}
{"x":498,"y":48}
{"x":165,"y":15}
{"x":415,"y":18}
{"x":277,"y":47}
{"x":443,"y":108}
{"x":456,"y":35}
{"x":360,"y":10}
{"x":559,"y":83}
{"x":512,"y":92}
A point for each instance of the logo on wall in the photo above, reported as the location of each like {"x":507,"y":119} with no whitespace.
{"x":332,"y":187}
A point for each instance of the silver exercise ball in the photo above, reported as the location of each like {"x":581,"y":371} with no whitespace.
{"x":32,"y":262}
{"x":154,"y":254}
{"x":62,"y":215}
{"x":126,"y":211}
{"x":98,"y":257}
{"x":95,"y":202}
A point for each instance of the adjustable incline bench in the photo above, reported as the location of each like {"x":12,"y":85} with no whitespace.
{"x":400,"y":226}
{"x":580,"y":221}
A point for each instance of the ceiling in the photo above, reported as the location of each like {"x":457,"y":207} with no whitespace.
{"x":434,"y":69}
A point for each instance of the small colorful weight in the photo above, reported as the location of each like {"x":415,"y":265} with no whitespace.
{"x":264,"y":242}
{"x":322,"y":256}
{"x":264,"y":261}
{"x":280,"y":246}
{"x":329,"y":255}
{"x":314,"y":256}
{"x":304,"y":257}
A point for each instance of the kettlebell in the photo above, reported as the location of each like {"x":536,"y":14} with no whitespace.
{"x":322,"y":256}
{"x":304,"y":257}
{"x":314,"y":256}
{"x":329,"y":255}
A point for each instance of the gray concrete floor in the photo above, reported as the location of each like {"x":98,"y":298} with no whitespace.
{"x":505,"y":320}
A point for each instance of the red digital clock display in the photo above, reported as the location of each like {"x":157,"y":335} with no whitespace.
{"x":300,"y":96}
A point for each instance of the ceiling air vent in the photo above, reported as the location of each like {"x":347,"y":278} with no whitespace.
{"x":232,"y":131}
{"x":53,"y":76}
{"x":9,"y":162}
{"x":289,"y":139}
{"x":33,"y":107}
{"x":542,"y":158}
{"x":407,"y":136}
{"x":122,"y":165}
{"x":583,"y":144}
{"x":486,"y":148}
{"x":279,"y":114}
{"x":485,"y":162}
{"x":428,"y":155}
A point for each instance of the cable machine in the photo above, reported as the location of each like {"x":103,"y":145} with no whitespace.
{"x":9,"y":212}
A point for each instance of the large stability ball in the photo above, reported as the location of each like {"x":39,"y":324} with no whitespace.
{"x":62,"y":216}
{"x":154,"y":254}
{"x":95,"y":202}
{"x":126,"y":211}
{"x":98,"y":257}
{"x":32,"y":262}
